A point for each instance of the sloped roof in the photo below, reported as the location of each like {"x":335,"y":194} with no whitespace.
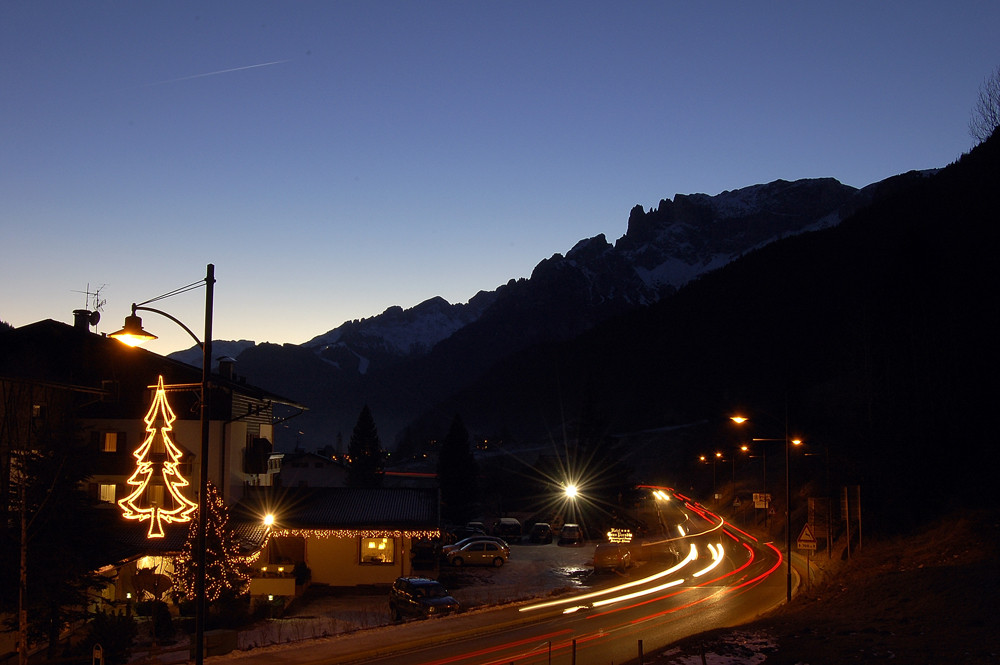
{"x":341,"y":507}
{"x":56,"y":353}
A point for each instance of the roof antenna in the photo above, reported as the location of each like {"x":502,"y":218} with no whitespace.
{"x":90,"y":315}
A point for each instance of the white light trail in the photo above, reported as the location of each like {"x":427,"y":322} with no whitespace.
{"x":716,"y":560}
{"x":692,"y":556}
{"x":637,"y":594}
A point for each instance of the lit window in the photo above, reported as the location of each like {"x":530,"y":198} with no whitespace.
{"x":378,"y":550}
{"x":107,"y":493}
{"x":110,"y":442}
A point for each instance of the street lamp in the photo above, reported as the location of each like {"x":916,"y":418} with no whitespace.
{"x":718,"y":456}
{"x":739,"y":420}
{"x":133,"y":334}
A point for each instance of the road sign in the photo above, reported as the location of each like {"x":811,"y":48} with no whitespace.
{"x":761,"y":500}
{"x":807,"y":540}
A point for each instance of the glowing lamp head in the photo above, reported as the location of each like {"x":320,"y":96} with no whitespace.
{"x":269,"y":520}
{"x":132,"y":334}
{"x":739,"y":420}
{"x":571,"y":491}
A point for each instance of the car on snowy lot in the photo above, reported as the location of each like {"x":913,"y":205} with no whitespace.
{"x":456,"y":534}
{"x":541,"y":532}
{"x":508,"y":528}
{"x":471,"y":539}
{"x":478,"y":552}
{"x":571,"y":534}
{"x":419,"y":597}
{"x":612,"y":556}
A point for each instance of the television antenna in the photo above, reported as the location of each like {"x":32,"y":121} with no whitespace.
{"x":94,"y":302}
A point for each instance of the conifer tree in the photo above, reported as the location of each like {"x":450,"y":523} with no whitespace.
{"x":458,"y":474}
{"x":226,"y":569}
{"x":365,"y":452}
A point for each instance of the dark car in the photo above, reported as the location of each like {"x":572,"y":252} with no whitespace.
{"x":419,"y":597}
{"x":540,"y":532}
{"x":462,"y":532}
{"x":508,"y":528}
{"x":571,"y":534}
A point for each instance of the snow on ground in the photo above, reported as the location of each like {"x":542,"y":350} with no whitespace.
{"x":736,"y":648}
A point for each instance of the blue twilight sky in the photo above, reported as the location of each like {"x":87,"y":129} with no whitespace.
{"x":335,"y":158}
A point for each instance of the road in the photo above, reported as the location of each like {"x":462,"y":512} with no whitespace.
{"x":723,"y":577}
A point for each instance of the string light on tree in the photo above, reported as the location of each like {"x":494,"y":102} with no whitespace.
{"x":157,"y":461}
{"x":226,"y":568}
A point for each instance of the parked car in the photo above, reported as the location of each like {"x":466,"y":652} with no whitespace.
{"x":419,"y":597}
{"x":462,"y":532}
{"x":540,"y":532}
{"x":612,"y":556}
{"x":571,"y":534}
{"x":478,"y":552}
{"x":471,"y":539}
{"x":508,"y":528}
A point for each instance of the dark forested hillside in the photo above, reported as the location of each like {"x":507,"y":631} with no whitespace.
{"x":877,"y":336}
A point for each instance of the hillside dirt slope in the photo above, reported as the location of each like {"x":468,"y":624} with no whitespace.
{"x":926,"y":598}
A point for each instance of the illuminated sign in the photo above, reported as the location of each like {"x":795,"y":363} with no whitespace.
{"x":618,"y":536}
{"x":157,"y":480}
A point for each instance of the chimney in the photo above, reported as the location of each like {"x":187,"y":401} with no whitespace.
{"x":84,"y":318}
{"x":227,"y":368}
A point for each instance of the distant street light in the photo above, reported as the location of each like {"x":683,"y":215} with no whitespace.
{"x":716,"y":458}
{"x":739,"y":420}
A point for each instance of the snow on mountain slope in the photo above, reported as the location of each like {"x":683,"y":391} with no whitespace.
{"x":662,"y":249}
{"x":403,"y":332}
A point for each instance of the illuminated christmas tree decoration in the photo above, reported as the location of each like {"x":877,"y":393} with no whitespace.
{"x":226,"y":568}
{"x":156,"y":478}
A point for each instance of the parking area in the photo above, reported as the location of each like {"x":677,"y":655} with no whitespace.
{"x":533,"y":571}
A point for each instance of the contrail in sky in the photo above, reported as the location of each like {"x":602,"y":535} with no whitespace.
{"x":221,"y":71}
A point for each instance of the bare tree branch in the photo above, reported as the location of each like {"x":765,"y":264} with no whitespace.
{"x":986,"y":111}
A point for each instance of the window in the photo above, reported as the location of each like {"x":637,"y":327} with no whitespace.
{"x":107,"y":493}
{"x":110,"y":443}
{"x":378,"y":550}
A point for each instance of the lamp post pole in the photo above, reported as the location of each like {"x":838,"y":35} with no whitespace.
{"x":788,"y":519}
{"x":788,"y":511}
{"x":206,"y":367}
{"x":133,"y":329}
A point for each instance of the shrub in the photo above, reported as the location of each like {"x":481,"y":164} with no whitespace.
{"x":115,"y":633}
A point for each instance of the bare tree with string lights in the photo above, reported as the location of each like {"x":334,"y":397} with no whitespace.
{"x":227,"y":570}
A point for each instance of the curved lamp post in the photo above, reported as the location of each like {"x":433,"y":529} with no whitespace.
{"x":133,"y":335}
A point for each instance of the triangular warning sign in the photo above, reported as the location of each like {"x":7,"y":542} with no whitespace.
{"x":807,"y":535}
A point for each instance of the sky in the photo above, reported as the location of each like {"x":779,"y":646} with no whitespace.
{"x":336,"y":158}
